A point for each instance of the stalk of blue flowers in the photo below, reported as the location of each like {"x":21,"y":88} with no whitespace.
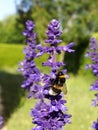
{"x":1,"y":122}
{"x":93,"y":54}
{"x":54,"y":116}
{"x":31,"y":73}
{"x":95,"y":125}
{"x":51,"y":115}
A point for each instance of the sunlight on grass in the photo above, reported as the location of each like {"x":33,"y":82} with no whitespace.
{"x":10,"y":55}
{"x":79,"y":103}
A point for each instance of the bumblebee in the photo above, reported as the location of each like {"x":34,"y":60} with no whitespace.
{"x":58,"y":84}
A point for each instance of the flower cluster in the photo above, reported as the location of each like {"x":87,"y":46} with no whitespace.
{"x":1,"y":121}
{"x":93,"y":54}
{"x":95,"y":125}
{"x":50,"y":112}
{"x":28,"y":67}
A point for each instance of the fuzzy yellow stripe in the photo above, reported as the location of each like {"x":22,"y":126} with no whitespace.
{"x":62,"y":76}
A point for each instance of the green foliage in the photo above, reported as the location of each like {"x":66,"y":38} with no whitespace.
{"x":95,"y":35}
{"x":78,"y":19}
{"x":41,"y":22}
{"x":9,"y":33}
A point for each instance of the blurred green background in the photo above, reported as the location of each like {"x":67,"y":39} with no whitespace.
{"x":78,"y":22}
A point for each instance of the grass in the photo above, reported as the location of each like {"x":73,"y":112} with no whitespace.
{"x":17,"y":107}
{"x":79,"y":103}
{"x":10,"y":55}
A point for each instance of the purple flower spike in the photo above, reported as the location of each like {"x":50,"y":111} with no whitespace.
{"x":95,"y":101}
{"x":95,"y":125}
{"x":94,"y":86}
{"x":53,"y":33}
{"x":93,"y":54}
{"x":28,"y":68}
{"x":30,"y":25}
{"x":1,"y":121}
{"x":50,"y":113}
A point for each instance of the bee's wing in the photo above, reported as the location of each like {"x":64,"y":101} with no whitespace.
{"x":64,"y":89}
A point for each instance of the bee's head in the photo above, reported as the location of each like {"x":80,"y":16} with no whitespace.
{"x":60,"y":73}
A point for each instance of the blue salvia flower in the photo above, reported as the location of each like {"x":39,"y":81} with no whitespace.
{"x":95,"y":125}
{"x":28,"y":67}
{"x":93,"y":54}
{"x":1,"y":122}
{"x":50,"y":112}
{"x":53,"y":115}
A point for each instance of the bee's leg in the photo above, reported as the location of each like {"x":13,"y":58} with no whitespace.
{"x":57,"y":91}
